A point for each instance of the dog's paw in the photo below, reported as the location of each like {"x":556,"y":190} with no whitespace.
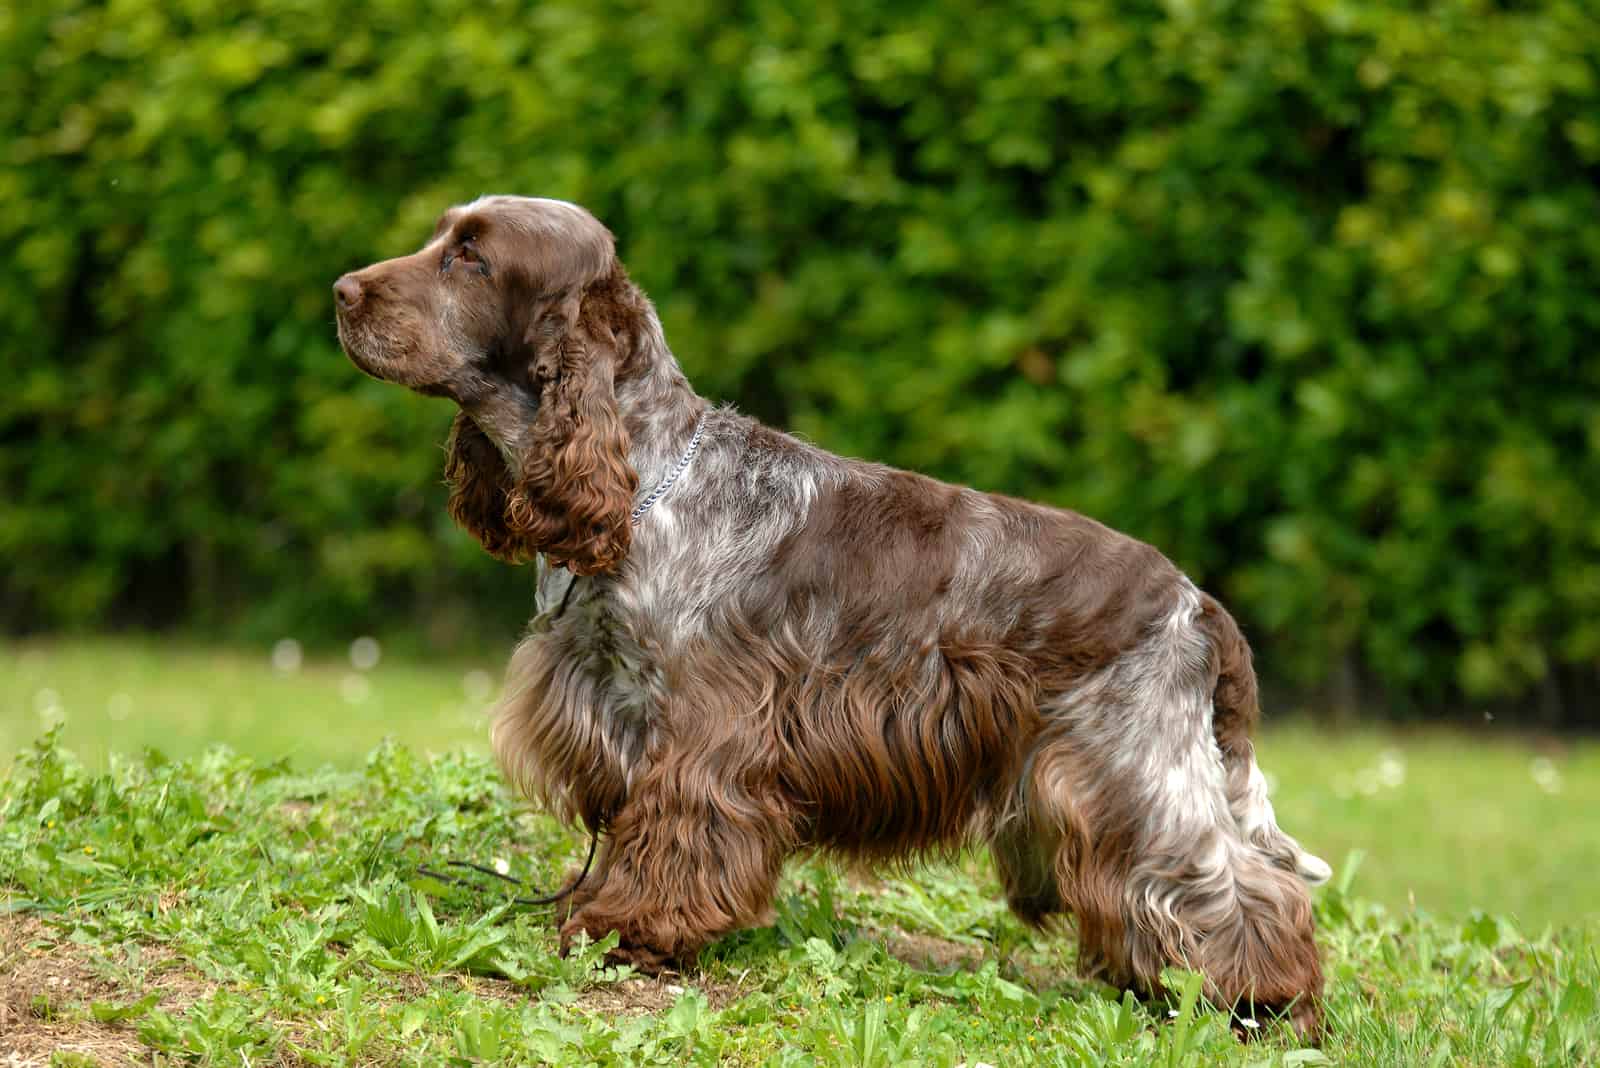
{"x":1312,"y":869}
{"x":642,"y":958}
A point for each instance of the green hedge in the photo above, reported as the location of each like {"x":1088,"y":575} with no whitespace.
{"x":1303,"y":291}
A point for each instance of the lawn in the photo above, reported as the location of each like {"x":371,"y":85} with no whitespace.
{"x":276,"y":701}
{"x":261,"y":905}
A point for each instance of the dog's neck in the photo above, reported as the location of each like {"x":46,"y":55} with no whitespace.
{"x":659,"y":407}
{"x":505,"y":416}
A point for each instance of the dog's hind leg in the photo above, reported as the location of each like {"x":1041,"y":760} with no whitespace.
{"x":1151,"y":861}
{"x":1236,"y":712}
{"x":1025,"y":861}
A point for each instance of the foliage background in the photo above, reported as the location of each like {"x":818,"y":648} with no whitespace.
{"x":1302,"y":291}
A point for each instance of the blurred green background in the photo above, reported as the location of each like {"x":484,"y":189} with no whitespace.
{"x":1302,"y":291}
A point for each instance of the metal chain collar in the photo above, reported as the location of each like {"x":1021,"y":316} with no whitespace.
{"x":672,"y":476}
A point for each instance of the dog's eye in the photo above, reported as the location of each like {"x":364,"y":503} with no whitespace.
{"x":466,"y":252}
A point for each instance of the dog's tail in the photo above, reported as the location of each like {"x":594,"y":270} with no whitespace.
{"x":1236,"y":710}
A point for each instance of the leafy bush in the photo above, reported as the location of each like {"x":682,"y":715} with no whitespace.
{"x":1300,"y":291}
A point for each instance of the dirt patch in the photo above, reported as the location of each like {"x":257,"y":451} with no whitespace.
{"x":931,"y":952}
{"x":636,"y":996}
{"x":641,"y":996}
{"x":1040,"y":976}
{"x":1038,"y":972}
{"x":40,"y":977}
{"x":48,"y":981}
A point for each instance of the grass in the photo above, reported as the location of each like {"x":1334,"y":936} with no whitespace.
{"x":119,"y":696}
{"x":1444,"y":818}
{"x":215,"y":908}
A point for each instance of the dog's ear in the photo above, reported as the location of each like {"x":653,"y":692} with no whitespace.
{"x":480,"y":485}
{"x":576,"y":488}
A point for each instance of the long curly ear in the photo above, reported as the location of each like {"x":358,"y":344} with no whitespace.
{"x":573,"y":499}
{"x":480,"y":485}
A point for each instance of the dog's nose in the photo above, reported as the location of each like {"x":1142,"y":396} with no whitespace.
{"x":347,"y":291}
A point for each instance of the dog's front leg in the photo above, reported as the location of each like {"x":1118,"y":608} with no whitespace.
{"x":692,"y":855}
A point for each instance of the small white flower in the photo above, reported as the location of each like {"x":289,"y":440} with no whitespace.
{"x":1172,"y":1013}
{"x":477,"y":684}
{"x":365,"y":653}
{"x":51,"y":711}
{"x":1391,"y":768}
{"x":119,"y":706}
{"x":502,"y":865}
{"x":1546,"y":776}
{"x":287,"y":656}
{"x":1247,"y":1022}
{"x":355,"y":689}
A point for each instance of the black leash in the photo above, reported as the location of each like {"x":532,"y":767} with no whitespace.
{"x":547,"y":899}
{"x":572,"y":584}
{"x":594,"y":836}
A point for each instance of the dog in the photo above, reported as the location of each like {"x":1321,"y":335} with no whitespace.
{"x":745,"y":646}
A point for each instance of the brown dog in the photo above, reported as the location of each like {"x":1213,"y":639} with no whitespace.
{"x":747,"y":646}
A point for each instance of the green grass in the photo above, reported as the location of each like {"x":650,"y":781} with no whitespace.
{"x":1478,"y":822}
{"x":213,"y":908}
{"x":1446,"y":819}
{"x":118,"y":696}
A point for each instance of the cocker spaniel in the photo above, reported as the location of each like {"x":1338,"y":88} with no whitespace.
{"x":746,"y":646}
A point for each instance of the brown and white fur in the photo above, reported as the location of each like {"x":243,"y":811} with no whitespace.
{"x":792,"y":650}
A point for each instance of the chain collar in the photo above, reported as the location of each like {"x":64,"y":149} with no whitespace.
{"x":672,"y":476}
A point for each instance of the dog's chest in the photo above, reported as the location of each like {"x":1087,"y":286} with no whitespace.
{"x":610,"y":642}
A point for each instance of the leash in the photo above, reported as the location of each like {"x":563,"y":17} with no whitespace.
{"x":542,"y":899}
{"x":545,"y":899}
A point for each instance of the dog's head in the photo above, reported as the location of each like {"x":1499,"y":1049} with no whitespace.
{"x":517,"y":309}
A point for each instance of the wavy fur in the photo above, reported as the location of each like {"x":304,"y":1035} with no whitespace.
{"x":794,"y":650}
